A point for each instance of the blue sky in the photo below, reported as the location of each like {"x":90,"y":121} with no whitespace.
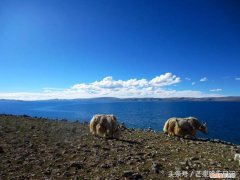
{"x":50,"y":47}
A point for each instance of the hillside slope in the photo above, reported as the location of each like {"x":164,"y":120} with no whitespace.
{"x":39,"y":148}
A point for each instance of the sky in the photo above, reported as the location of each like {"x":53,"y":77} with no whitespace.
{"x":119,"y":48}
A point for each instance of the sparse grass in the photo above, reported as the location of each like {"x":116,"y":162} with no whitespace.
{"x":38,"y":148}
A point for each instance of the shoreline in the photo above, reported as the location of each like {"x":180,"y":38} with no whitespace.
{"x":213,"y":140}
{"x":41,"y":148}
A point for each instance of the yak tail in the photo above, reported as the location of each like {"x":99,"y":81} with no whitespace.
{"x":93,"y":124}
{"x":165,"y":127}
{"x":177,"y":123}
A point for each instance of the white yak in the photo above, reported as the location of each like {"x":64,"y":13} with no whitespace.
{"x":105,"y":125}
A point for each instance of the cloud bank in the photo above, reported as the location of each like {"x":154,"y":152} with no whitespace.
{"x":216,"y":90}
{"x":109,"y":87}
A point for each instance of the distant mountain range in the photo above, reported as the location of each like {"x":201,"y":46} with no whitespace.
{"x":113,"y":99}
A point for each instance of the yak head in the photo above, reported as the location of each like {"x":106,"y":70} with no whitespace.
{"x":203,"y":128}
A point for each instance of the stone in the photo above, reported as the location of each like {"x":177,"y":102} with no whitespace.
{"x":105,"y":166}
{"x":136,"y":176}
{"x":58,"y":144}
{"x":77,"y":165}
{"x":182,"y":163}
{"x":156,"y":167}
{"x":120,"y":161}
{"x":193,"y":158}
{"x":127,"y":173}
{"x":131,"y":175}
{"x":236,"y":157}
{"x":47,"y":172}
{"x":1,"y":150}
{"x":213,"y":163}
{"x":149,"y":129}
{"x":64,"y":152}
{"x":216,"y":140}
{"x":178,"y":149}
{"x":66,"y":174}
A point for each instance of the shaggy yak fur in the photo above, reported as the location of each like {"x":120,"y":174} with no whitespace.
{"x":105,"y":126}
{"x":184,"y":127}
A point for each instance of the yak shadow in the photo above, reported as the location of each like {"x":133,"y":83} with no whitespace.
{"x":122,"y":140}
{"x":115,"y":139}
{"x":202,"y":140}
{"x":189,"y":138}
{"x":129,"y":141}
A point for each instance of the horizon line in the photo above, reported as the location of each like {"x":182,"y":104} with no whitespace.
{"x":104,"y":97}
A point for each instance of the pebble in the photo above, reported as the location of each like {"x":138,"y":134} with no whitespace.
{"x":1,"y":150}
{"x":127,"y":173}
{"x":216,"y":140}
{"x":164,"y":159}
{"x":149,"y":129}
{"x":131,"y":175}
{"x":136,"y":176}
{"x":193,"y":158}
{"x":156,"y":167}
{"x":236,"y":157}
{"x":182,"y":163}
{"x":55,"y":171}
{"x":105,"y":166}
{"x":77,"y":165}
{"x":178,"y":149}
{"x":64,"y":152}
{"x":120,"y":161}
{"x":67,"y":174}
{"x":213,"y":163}
{"x":47,"y":172}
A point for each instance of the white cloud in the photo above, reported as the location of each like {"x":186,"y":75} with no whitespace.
{"x":188,"y":79}
{"x":193,"y":83}
{"x":165,"y":80}
{"x":237,"y":78}
{"x":204,"y":79}
{"x":216,"y":90}
{"x":108,"y":87}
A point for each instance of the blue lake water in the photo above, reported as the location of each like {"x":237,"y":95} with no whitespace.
{"x":223,"y":118}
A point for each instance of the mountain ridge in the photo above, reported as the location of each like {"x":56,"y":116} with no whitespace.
{"x":148,"y":99}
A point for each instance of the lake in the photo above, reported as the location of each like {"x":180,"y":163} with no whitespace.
{"x":223,"y":118}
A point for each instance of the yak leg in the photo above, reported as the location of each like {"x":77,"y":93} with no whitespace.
{"x":101,"y":131}
{"x":193,"y":133}
{"x":178,"y":131}
{"x":171,"y":129}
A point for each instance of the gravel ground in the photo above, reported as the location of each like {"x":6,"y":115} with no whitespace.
{"x":38,"y":148}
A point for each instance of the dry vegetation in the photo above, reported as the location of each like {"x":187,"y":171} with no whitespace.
{"x":36,"y":148}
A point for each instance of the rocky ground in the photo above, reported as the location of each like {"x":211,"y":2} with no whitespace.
{"x":37,"y":148}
